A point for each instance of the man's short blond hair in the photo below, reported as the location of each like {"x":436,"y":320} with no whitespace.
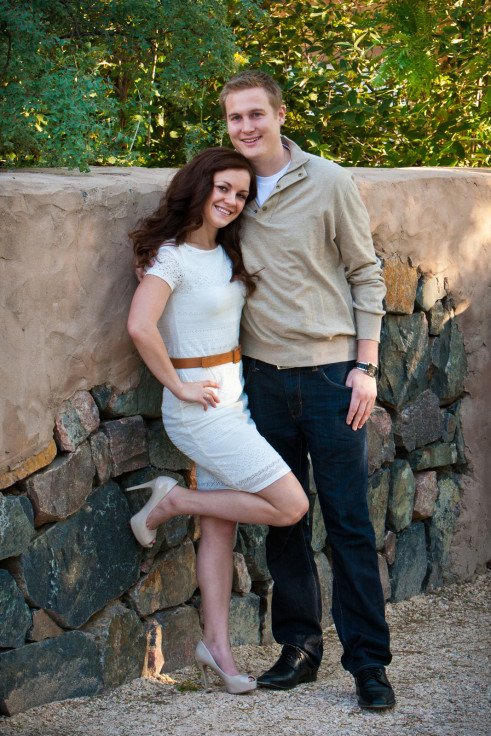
{"x":249,"y":80}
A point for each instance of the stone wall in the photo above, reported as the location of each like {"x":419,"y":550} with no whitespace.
{"x":80,"y":423}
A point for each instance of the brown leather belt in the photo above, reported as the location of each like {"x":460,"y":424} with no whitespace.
{"x":208,"y":361}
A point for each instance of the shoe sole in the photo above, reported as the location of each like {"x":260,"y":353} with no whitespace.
{"x":383,"y":706}
{"x":302,"y":681}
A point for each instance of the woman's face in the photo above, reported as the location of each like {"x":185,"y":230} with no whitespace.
{"x":227,"y":200}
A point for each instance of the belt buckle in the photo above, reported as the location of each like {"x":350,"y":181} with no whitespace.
{"x":282,"y":367}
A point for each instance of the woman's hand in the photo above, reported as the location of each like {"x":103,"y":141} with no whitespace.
{"x":200,"y":392}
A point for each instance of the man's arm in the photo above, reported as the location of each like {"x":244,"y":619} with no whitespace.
{"x":364,"y":276}
{"x":363,"y":269}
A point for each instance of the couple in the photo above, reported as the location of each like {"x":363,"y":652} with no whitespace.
{"x":309,"y":332}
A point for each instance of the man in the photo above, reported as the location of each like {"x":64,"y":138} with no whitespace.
{"x":310,"y":340}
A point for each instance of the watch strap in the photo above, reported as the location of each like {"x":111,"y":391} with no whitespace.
{"x":369,"y":368}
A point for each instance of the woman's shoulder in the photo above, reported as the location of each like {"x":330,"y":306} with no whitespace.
{"x":168,"y":249}
{"x":168,"y":264}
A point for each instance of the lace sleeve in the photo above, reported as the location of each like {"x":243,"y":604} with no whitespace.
{"x":168,"y":266}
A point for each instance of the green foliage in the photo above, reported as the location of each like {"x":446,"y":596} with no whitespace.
{"x":109,"y":81}
{"x":409,"y":55}
{"x":439,"y":56}
{"x":55,"y":107}
{"x":400,"y":83}
{"x":379,"y":83}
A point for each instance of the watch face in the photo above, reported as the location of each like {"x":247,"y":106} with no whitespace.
{"x":369,"y":368}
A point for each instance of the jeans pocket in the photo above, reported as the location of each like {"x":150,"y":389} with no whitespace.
{"x":248,"y":368}
{"x":335,"y":374}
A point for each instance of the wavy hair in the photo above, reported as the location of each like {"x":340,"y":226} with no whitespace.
{"x":181,"y":211}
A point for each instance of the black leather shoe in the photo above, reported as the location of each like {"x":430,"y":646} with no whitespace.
{"x":293,"y":667}
{"x":373,"y":688}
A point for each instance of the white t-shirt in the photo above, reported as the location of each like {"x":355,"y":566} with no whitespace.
{"x":266,"y":184}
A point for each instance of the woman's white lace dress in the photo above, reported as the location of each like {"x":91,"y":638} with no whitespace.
{"x":202,"y":317}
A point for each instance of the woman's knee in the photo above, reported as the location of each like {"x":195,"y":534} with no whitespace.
{"x":297,"y":509}
{"x":290,"y":500}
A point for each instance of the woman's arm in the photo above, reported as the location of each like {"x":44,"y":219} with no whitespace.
{"x":146,"y":309}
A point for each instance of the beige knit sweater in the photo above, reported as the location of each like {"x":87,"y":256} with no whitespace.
{"x":321,"y":286}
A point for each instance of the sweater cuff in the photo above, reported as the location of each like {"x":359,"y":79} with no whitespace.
{"x":368,"y":325}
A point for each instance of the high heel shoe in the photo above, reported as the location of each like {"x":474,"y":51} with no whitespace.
{"x":160,"y":488}
{"x":234,"y":684}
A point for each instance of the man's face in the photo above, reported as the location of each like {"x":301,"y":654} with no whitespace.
{"x":253,"y":125}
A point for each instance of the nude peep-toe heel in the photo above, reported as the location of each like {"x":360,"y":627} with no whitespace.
{"x":160,"y":488}
{"x":234,"y":684}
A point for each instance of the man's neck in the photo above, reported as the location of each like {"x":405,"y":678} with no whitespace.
{"x":273,"y":163}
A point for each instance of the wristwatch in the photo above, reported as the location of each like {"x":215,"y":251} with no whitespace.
{"x":369,"y":368}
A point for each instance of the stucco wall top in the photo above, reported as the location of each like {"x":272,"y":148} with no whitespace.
{"x":419,"y":172}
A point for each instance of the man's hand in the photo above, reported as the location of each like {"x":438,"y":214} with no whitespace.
{"x":140,"y":271}
{"x":362,"y":398}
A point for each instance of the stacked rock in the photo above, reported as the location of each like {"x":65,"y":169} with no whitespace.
{"x":83,"y":608}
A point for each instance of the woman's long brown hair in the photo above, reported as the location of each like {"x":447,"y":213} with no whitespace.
{"x":181,"y":211}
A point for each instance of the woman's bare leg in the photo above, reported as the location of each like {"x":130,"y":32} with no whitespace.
{"x":282,"y":503}
{"x":215,"y":569}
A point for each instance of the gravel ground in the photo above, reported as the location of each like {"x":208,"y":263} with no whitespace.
{"x":440,"y":644}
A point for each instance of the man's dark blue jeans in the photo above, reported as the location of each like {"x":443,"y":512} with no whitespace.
{"x":303,"y":411}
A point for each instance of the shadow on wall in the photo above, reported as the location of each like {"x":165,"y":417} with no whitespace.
{"x":440,"y":220}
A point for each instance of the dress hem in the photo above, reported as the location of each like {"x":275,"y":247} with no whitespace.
{"x":259,"y":487}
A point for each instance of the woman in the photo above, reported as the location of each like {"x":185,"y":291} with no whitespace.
{"x":188,"y":306}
